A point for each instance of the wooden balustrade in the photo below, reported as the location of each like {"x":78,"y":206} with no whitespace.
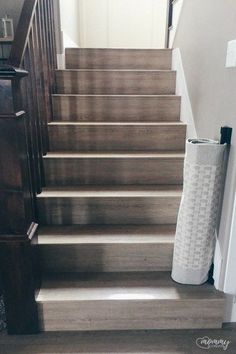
{"x":26,"y":84}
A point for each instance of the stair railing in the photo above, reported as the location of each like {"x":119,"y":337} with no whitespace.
{"x":26,"y":84}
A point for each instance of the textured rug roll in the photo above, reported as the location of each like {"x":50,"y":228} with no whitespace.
{"x":198,"y":213}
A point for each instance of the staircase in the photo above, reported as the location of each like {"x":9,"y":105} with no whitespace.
{"x":114,"y":178}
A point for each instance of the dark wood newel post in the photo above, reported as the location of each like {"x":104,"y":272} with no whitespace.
{"x":26,"y":85}
{"x":18,"y":227}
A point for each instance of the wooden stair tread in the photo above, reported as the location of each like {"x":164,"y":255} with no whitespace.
{"x":108,"y":204}
{"x":106,"y":248}
{"x":130,"y":286}
{"x":115,"y":154}
{"x":112,"y":191}
{"x":107,"y":234}
{"x":126,"y":301}
{"x":87,"y":240}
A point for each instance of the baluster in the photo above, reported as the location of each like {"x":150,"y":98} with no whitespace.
{"x":30,"y":134}
{"x":47,"y":42}
{"x":47,"y":67}
{"x":46,"y":102}
{"x":52,"y":33}
{"x":37,"y":69}
{"x":32,"y":111}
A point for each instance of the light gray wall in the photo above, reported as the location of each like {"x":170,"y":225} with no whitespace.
{"x":202,"y":35}
{"x":204,"y":29}
{"x":70,"y":21}
{"x":11,"y":8}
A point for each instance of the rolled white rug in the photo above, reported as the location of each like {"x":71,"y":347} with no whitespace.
{"x":198,"y":213}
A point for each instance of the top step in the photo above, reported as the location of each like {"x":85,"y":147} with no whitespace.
{"x":146,"y":59}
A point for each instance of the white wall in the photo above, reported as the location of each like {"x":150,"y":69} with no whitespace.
{"x":123,"y":23}
{"x":177,"y":9}
{"x":11,"y":8}
{"x":186,"y":112}
{"x":204,"y":29}
{"x":70,"y":22}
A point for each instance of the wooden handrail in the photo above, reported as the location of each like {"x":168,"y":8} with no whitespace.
{"x":26,"y":85}
{"x":22,"y":33}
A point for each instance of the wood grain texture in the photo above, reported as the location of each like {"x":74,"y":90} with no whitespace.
{"x":116,"y":108}
{"x":127,"y":301}
{"x":75,"y":136}
{"x":110,"y":205}
{"x":106,"y":248}
{"x":115,"y":82}
{"x":71,"y":169}
{"x":25,"y":88}
{"x":156,"y":256}
{"x":108,"y":58}
{"x":117,"y":342}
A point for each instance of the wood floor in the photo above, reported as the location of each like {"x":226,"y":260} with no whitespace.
{"x":141,"y":342}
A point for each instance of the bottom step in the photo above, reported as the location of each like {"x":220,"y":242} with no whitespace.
{"x":124,"y":301}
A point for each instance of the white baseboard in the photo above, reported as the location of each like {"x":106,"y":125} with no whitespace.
{"x":182,"y":90}
{"x":230,"y":309}
{"x":68,"y":42}
{"x":60,"y":61}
